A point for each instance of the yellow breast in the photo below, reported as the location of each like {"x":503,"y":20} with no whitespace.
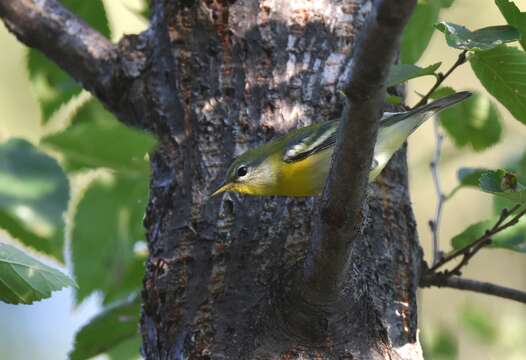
{"x":304,"y":177}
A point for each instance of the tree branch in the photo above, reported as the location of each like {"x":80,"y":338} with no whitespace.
{"x":341,"y":203}
{"x":471,"y":249}
{"x":473,"y":285}
{"x":81,"y":51}
{"x":435,"y":223}
{"x":440,"y":79}
{"x":118,"y":75}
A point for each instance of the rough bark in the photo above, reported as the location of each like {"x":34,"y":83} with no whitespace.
{"x":222,"y":280}
{"x":212,"y":78}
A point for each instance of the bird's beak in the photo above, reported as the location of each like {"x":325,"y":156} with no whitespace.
{"x":224,"y":187}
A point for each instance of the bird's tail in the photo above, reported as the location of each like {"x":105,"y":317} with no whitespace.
{"x":444,"y":102}
{"x":424,"y":112}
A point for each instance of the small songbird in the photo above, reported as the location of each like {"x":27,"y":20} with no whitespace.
{"x":297,"y":163}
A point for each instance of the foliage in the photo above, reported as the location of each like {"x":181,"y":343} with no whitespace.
{"x":502,"y":71}
{"x":106,"y":221}
{"x":94,"y":339}
{"x":24,"y":279}
{"x":460,"y":37}
{"x":51,"y":85}
{"x":402,"y":72}
{"x":474,"y":122}
{"x":441,"y":344}
{"x":34,"y":193}
{"x":419,"y":30}
{"x":514,"y":17}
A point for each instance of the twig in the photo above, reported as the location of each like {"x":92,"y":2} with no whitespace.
{"x":473,"y":285}
{"x":471,"y":249}
{"x":435,"y":223}
{"x":341,"y":203}
{"x":441,"y":77}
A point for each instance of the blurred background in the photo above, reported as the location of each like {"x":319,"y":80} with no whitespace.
{"x":454,"y":324}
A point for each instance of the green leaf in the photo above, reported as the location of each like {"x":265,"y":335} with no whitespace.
{"x":504,"y":184}
{"x":112,"y":328}
{"x":393,"y":100}
{"x":127,"y":350}
{"x":512,"y":238}
{"x":418,"y":31}
{"x":442,"y":92}
{"x":107,"y":224}
{"x":476,"y":322}
{"x":502,"y":71}
{"x":514,"y":17}
{"x":51,"y":85}
{"x":473,"y":122}
{"x":34,"y":194}
{"x":442,"y":344}
{"x":402,"y":72}
{"x":471,"y":234}
{"x":470,"y":176}
{"x":92,"y":12}
{"x":447,"y":3}
{"x":460,"y":37}
{"x":23,"y":279}
{"x":96,"y":139}
{"x":518,"y":168}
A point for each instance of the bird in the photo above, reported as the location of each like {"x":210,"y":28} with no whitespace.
{"x":298,"y":162}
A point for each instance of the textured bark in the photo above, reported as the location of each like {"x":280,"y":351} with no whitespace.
{"x":212,"y":78}
{"x":222,"y":280}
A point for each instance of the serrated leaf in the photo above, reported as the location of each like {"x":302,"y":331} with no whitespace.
{"x":34,"y":194}
{"x":24,"y":279}
{"x":514,"y":17}
{"x":107,"y":224}
{"x":504,"y":184}
{"x":107,"y":331}
{"x":512,"y":238}
{"x":460,"y":37}
{"x":476,"y":322}
{"x":51,"y":85}
{"x":418,"y":31}
{"x":473,"y":122}
{"x":470,"y":176}
{"x":95,"y":139}
{"x":502,"y":71}
{"x":402,"y":72}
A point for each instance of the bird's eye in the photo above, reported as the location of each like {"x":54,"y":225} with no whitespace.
{"x":242,"y":171}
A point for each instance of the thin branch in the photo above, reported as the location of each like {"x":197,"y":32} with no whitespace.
{"x":435,"y":223}
{"x":471,"y":249}
{"x":80,"y":50}
{"x":441,"y":77}
{"x":118,"y":75}
{"x":341,"y":203}
{"x":474,"y":285}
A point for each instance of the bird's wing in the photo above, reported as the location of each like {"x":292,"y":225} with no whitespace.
{"x":391,"y":118}
{"x":311,"y":142}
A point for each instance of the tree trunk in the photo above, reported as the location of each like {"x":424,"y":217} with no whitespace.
{"x":222,"y":279}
